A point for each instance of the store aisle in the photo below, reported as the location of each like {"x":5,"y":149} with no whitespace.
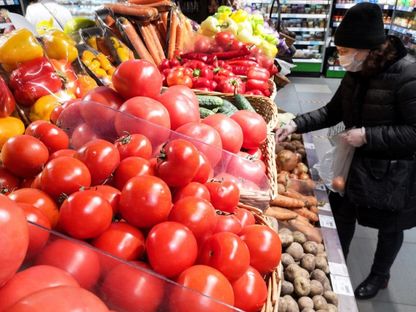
{"x":306,"y":94}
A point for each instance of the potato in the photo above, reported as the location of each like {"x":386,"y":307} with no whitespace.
{"x":292,"y":305}
{"x":322,"y":263}
{"x":286,"y":239}
{"x":295,"y":250}
{"x":319,"y":275}
{"x":332,"y":308}
{"x":299,"y":237}
{"x":316,"y":288}
{"x":305,"y":303}
{"x":319,"y":303}
{"x":321,"y":248}
{"x":287,"y":259}
{"x":293,"y":270}
{"x":282,"y":307}
{"x":302,"y":286}
{"x":327,"y":285}
{"x":287,"y":288}
{"x":322,"y":254}
{"x":308,"y":310}
{"x":284,"y":231}
{"x":296,"y":136}
{"x":308,"y":262}
{"x":331,"y":297}
{"x":302,"y":152}
{"x":310,"y":247}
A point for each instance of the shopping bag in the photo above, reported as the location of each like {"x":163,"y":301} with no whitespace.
{"x":336,"y":162}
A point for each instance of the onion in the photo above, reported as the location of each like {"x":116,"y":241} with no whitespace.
{"x":338,"y":184}
{"x":304,"y":176}
{"x":286,"y":160}
{"x":302,"y":167}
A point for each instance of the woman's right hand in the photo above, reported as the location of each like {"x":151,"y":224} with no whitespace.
{"x":283,"y":132}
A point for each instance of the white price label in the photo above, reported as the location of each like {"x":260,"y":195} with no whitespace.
{"x":325,"y":207}
{"x":342,"y":285}
{"x":309,"y":145}
{"x":327,"y":221}
{"x":338,"y":268}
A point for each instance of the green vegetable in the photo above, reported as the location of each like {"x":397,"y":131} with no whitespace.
{"x":209,"y":102}
{"x":205,"y":112}
{"x":242,"y":103}
{"x":227,"y":108}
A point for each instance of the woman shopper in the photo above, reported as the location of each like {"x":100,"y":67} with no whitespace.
{"x":376,"y":101}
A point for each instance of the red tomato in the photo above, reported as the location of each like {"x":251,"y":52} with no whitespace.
{"x":145,"y":201}
{"x":100,"y":117}
{"x":264,"y":245}
{"x":109,"y":193}
{"x":54,"y":138}
{"x":206,"y":280}
{"x":245,"y":217}
{"x":101,"y":158}
{"x":85,"y":214}
{"x":137,"y":78}
{"x":70,"y":117}
{"x":31,"y":128}
{"x":38,"y":237}
{"x":153,"y":119}
{"x":255,"y":153}
{"x":228,"y":223}
{"x":247,"y":168}
{"x":56,"y":112}
{"x":210,"y":144}
{"x":31,"y":280}
{"x":82,"y":135}
{"x":195,"y":213}
{"x":183,"y":90}
{"x":76,"y":258}
{"x":178,"y":163}
{"x":62,"y":298}
{"x":229,"y":131}
{"x":225,"y":195}
{"x":64,"y":175}
{"x":224,"y":39}
{"x":241,"y":183}
{"x":131,"y":167}
{"x":194,"y":189}
{"x":134,"y":145}
{"x":254,"y":128}
{"x":14,"y":238}
{"x":236,"y":45}
{"x":182,"y":109}
{"x":62,"y":152}
{"x":24,"y":155}
{"x":26,"y":183}
{"x":250,"y":291}
{"x":40,"y":200}
{"x":8,"y":181}
{"x":167,"y":241}
{"x":128,"y":288}
{"x":204,"y":171}
{"x":227,"y":253}
{"x":202,"y":44}
{"x":36,"y":182}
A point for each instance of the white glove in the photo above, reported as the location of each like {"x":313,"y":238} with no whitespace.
{"x":283,"y":132}
{"x":355,"y":137}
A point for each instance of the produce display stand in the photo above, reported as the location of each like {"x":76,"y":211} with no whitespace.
{"x":338,"y":269}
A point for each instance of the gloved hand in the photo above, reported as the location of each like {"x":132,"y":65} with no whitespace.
{"x":355,"y":137}
{"x":283,"y":132}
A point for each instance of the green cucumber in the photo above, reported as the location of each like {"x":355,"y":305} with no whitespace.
{"x":209,"y":102}
{"x":205,"y":112}
{"x":227,"y":108}
{"x":242,"y":103}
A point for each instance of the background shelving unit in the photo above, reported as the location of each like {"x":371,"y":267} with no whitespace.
{"x":15,"y":6}
{"x":404,"y":23}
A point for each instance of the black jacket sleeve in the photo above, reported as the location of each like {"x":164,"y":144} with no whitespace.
{"x":398,"y":138}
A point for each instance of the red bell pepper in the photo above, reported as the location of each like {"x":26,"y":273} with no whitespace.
{"x":254,"y":92}
{"x":7,"y":102}
{"x":221,"y":73}
{"x":255,"y":84}
{"x":34,"y":79}
{"x":67,"y":74}
{"x":232,"y":54}
{"x":232,"y":85}
{"x":202,"y":83}
{"x":258,"y":73}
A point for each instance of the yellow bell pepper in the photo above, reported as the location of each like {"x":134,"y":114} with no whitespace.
{"x":60,"y":46}
{"x":10,"y":127}
{"x":44,"y":26}
{"x":44,"y":106}
{"x":239,"y":16}
{"x":19,"y":46}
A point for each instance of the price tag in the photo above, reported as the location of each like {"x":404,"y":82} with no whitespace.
{"x":325,"y":207}
{"x":338,"y":268}
{"x":309,"y":145}
{"x":327,"y":221}
{"x":342,"y":285}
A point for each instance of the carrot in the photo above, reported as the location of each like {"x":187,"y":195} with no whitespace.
{"x":311,"y":232}
{"x":305,"y":212}
{"x":162,"y":6}
{"x":281,"y":214}
{"x":109,"y":21}
{"x":287,"y":202}
{"x":150,"y":43}
{"x":143,"y":1}
{"x":172,"y":35}
{"x":141,"y":11}
{"x":179,"y":38}
{"x":164,"y":18}
{"x":136,"y":41}
{"x":161,"y":31}
{"x":156,"y":38}
{"x":188,"y":25}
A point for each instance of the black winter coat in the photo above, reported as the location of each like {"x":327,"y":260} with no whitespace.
{"x":381,"y":184}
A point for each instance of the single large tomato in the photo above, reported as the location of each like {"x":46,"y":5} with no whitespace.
{"x":250,"y":291}
{"x":8,"y":181}
{"x":134,"y":145}
{"x":83,"y":134}
{"x":54,"y":138}
{"x":229,"y":131}
{"x":205,"y":171}
{"x":193,"y":189}
{"x":131,"y":167}
{"x":24,"y":155}
{"x":62,"y":152}
{"x":245,"y":167}
{"x":225,"y":195}
{"x":76,"y":258}
{"x":213,"y":292}
{"x":227,"y":223}
{"x":14,"y":238}
{"x":254,"y":128}
{"x":31,"y":128}
{"x":184,"y":90}
{"x":70,"y":117}
{"x":246,"y":217}
{"x":178,"y":163}
{"x":167,"y":241}
{"x":85,"y":214}
{"x":145,"y":201}
{"x":264,"y":245}
{"x":137,"y":78}
{"x":182,"y":109}
{"x":101,"y":158}
{"x":61,"y":298}
{"x":64,"y":175}
{"x":153,"y":119}
{"x":206,"y":139}
{"x":129,"y":288}
{"x":227,"y":253}
{"x":109,"y":193}
{"x":197,"y":214}
{"x":38,"y":199}
{"x":31,"y":280}
{"x":224,"y":38}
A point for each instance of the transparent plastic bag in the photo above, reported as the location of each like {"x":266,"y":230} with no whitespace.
{"x":336,"y":163}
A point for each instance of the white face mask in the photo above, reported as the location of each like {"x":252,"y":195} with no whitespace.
{"x":350,"y":63}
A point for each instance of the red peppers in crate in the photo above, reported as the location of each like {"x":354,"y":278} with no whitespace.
{"x":7,"y":102}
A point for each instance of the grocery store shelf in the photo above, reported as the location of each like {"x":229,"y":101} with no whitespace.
{"x":350,"y":5}
{"x":307,"y":2}
{"x":336,"y":24}
{"x":300,"y":60}
{"x":405,"y":9}
{"x":305,"y":29}
{"x":309,"y":42}
{"x":301,"y":15}
{"x":403,"y":30}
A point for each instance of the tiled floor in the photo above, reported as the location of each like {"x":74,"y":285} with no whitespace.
{"x":306,"y":94}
